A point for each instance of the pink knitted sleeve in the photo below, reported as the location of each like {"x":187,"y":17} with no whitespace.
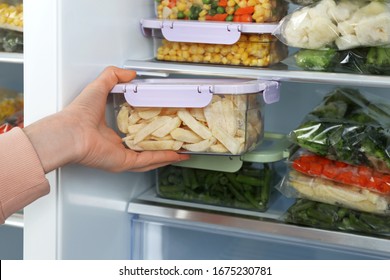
{"x":22,"y":178}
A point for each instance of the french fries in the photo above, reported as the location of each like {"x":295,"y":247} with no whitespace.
{"x":230,"y":124}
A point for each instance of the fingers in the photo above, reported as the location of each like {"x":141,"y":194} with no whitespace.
{"x":149,"y":160}
{"x":109,"y":78}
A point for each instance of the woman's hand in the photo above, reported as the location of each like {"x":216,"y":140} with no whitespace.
{"x":79,"y":133}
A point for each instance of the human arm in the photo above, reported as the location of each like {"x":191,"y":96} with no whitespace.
{"x":78,"y":134}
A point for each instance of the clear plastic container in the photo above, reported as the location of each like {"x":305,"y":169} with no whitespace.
{"x":215,"y":42}
{"x":202,"y":116}
{"x":226,"y":10}
{"x":11,"y":15}
{"x":248,"y":188}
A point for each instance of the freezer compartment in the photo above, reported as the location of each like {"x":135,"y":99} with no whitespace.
{"x":215,"y":43}
{"x":209,"y":116}
{"x":226,"y":10}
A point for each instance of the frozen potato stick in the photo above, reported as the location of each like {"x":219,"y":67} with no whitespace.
{"x":185,"y":135}
{"x":168,"y":127}
{"x":151,"y":145}
{"x":134,"y":117}
{"x":198,"y":114}
{"x":231,"y":143}
{"x":218,"y":148}
{"x":150,"y":113}
{"x":208,"y":113}
{"x":134,"y":128}
{"x":201,"y":146}
{"x":217,"y":115}
{"x":130,"y":143}
{"x":192,"y":123}
{"x":122,"y":119}
{"x":150,"y":128}
{"x":229,"y":115}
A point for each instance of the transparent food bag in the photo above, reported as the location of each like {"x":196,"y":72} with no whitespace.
{"x":355,"y":175}
{"x":348,"y":127}
{"x":369,"y":60}
{"x":299,"y":185}
{"x":337,"y":24}
{"x":326,"y":216}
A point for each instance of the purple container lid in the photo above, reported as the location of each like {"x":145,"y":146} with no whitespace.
{"x":191,"y":93}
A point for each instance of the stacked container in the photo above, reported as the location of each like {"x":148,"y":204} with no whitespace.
{"x":11,"y":26}
{"x":209,"y":180}
{"x":342,"y":161}
{"x":228,"y":32}
{"x":208,"y":116}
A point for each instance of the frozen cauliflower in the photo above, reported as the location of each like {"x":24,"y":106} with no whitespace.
{"x":344,"y":24}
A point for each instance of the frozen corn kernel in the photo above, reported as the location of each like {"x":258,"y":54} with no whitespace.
{"x":253,"y":50}
{"x":11,"y":15}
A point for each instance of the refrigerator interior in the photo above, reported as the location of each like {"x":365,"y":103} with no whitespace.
{"x":86,"y":216}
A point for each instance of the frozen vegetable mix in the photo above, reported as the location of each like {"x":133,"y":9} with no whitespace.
{"x":299,"y":185}
{"x":340,"y":24}
{"x":223,"y":10}
{"x":355,"y":175}
{"x":249,"y":188}
{"x":321,"y":215}
{"x":316,"y":60}
{"x":348,"y":127}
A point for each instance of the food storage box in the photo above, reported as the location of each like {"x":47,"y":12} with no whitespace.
{"x":222,"y":10}
{"x":248,"y":188}
{"x":212,"y":116}
{"x":215,"y":42}
{"x":11,"y":15}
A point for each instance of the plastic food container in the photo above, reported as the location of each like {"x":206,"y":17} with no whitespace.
{"x":10,"y":103}
{"x":209,"y":116}
{"x":248,"y":188}
{"x":11,"y":14}
{"x":215,"y":42}
{"x":225,"y":10}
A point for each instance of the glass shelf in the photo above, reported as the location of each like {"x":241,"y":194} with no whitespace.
{"x":15,"y":220}
{"x":11,"y":57}
{"x":278,"y":72}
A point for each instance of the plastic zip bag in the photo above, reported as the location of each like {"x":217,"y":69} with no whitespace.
{"x":348,"y":127}
{"x":337,"y":24}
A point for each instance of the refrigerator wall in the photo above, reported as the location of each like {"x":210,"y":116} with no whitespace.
{"x":85,"y":216}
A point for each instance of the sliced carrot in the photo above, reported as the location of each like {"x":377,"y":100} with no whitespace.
{"x":172,"y":3}
{"x":330,"y":171}
{"x":245,"y":11}
{"x":344,"y":177}
{"x":246,"y":18}
{"x":222,"y":3}
{"x":217,"y":17}
{"x":315,"y":169}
